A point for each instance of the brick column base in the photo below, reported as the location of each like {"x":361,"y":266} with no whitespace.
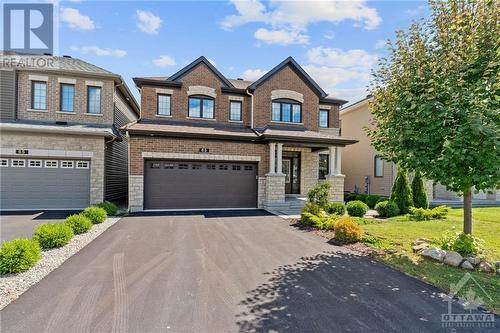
{"x":337,"y":187}
{"x":275,"y":188}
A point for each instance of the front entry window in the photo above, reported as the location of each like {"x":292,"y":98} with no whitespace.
{"x":286,"y":170}
{"x":323,"y":166}
{"x":291,"y":169}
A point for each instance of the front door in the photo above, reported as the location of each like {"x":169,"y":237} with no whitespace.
{"x":291,"y":169}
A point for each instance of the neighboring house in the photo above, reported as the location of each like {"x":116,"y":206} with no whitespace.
{"x":59,"y":143}
{"x":206,"y":141}
{"x":366,"y":172}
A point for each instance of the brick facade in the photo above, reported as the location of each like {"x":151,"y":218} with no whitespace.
{"x":80,"y":114}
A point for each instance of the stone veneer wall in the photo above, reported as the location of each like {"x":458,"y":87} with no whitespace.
{"x":58,"y":144}
{"x":135,"y":193}
{"x":275,"y":189}
{"x":337,"y":189}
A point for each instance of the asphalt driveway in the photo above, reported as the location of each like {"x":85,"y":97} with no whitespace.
{"x":216,"y":273}
{"x":22,"y":224}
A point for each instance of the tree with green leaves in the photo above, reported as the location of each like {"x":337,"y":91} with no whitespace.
{"x":418,"y":191}
{"x":401,"y":192}
{"x":436,"y":98}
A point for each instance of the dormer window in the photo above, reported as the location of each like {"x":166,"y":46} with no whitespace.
{"x":201,"y":107}
{"x":323,"y":118}
{"x":286,"y":111}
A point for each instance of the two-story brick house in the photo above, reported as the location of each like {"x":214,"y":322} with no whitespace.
{"x":60,"y":147}
{"x":205,"y":141}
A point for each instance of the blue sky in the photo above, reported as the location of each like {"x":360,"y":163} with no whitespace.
{"x":337,"y":42}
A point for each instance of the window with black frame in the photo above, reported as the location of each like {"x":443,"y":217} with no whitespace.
{"x":201,"y":107}
{"x":286,"y":111}
{"x":323,"y":118}
{"x":323,"y":166}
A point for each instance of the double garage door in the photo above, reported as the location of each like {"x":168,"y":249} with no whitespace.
{"x":44,"y":184}
{"x":194,"y":184}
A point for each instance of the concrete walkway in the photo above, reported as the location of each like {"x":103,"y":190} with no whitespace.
{"x":222,"y":273}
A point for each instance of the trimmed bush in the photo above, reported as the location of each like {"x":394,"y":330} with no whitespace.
{"x":309,"y":219}
{"x":361,"y":197}
{"x":401,"y":192}
{"x":319,"y":194}
{"x":349,"y":197}
{"x":95,"y":214}
{"x":465,"y":244}
{"x":356,"y":208}
{"x":50,"y":235}
{"x":325,"y":222}
{"x":439,"y":212}
{"x":19,"y":255}
{"x":78,"y":223}
{"x":418,"y":192}
{"x":387,"y":208}
{"x":372,"y":200}
{"x":110,"y":208}
{"x":348,"y":231}
{"x":312,"y":208}
{"x":335,"y":208}
{"x":422,"y":214}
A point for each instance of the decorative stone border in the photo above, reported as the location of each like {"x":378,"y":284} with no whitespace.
{"x":13,"y":285}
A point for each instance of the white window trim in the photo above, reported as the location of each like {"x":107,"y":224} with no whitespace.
{"x":87,"y":165}
{"x":6,"y":161}
{"x":17,"y":166}
{"x":30,"y":166}
{"x":51,"y":167}
{"x":68,"y":167}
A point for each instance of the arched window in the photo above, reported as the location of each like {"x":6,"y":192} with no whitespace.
{"x":286,"y":110}
{"x":200,"y":106}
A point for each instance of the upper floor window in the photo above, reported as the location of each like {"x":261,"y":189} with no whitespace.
{"x":287,"y":111}
{"x":163,"y":105}
{"x":201,"y":107}
{"x":323,"y":118}
{"x":67,"y":97}
{"x":379,"y":167}
{"x":39,"y":95}
{"x":323,"y":166}
{"x":235,"y":110}
{"x":94,"y":100}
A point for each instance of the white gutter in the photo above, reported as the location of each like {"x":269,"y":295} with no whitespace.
{"x":251,"y":110}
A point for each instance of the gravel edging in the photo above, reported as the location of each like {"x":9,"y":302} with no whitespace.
{"x":13,"y":285}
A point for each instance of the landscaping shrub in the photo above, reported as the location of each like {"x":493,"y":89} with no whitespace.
{"x":387,"y":208}
{"x":335,"y":208}
{"x":309,"y":219}
{"x":19,"y":255}
{"x":347,"y":231}
{"x":78,"y":223}
{"x":325,"y":222}
{"x":312,"y":208}
{"x":465,"y":244}
{"x":439,"y":212}
{"x":401,"y":192}
{"x":319,"y":194}
{"x":356,"y":208}
{"x":420,"y":214}
{"x":110,"y":208}
{"x":361,"y":197}
{"x":95,"y":214}
{"x":349,"y":197}
{"x":50,"y":235}
{"x":418,"y":192}
{"x":371,"y":200}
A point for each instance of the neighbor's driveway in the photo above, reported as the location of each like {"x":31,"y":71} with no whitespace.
{"x":22,"y":224}
{"x":221,"y":274}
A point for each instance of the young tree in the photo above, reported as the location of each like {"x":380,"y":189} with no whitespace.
{"x":436,"y":98}
{"x":401,"y":192}
{"x":418,"y":191}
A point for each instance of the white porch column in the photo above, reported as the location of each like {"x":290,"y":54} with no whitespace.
{"x":279,"y":160}
{"x":272,"y":159}
{"x":338,"y":161}
{"x":331,"y":161}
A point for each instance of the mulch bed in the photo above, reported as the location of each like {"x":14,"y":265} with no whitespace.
{"x":359,"y":247}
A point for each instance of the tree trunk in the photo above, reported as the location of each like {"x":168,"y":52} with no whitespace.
{"x":468,"y":212}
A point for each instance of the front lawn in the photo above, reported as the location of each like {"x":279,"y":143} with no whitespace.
{"x":398,"y":233}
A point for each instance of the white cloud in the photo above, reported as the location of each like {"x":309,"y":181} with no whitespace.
{"x":329,"y":34}
{"x":296,"y":16}
{"x":282,"y":37}
{"x":148,"y":22}
{"x":75,"y":20}
{"x":329,"y":77}
{"x":340,"y":58}
{"x":164,"y":61}
{"x":253,"y":74}
{"x":101,"y":52}
{"x":381,"y":44}
{"x":350,"y":94}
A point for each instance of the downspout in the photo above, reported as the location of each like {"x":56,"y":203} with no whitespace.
{"x":251,"y":108}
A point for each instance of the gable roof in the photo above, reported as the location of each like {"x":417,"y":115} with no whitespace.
{"x":195,"y":63}
{"x":298,"y":69}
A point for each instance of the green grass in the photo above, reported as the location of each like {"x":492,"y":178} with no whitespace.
{"x":398,"y":233}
